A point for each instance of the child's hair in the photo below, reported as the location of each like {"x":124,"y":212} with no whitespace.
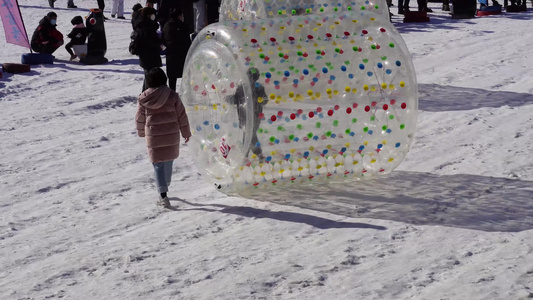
{"x":76,"y":20}
{"x":137,"y":7}
{"x":156,"y":78}
{"x":51,"y":15}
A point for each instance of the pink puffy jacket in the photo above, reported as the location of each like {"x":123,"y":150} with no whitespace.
{"x":160,"y":118}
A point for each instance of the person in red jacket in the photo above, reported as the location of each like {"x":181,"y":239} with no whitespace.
{"x":46,"y":38}
{"x":161,"y":118}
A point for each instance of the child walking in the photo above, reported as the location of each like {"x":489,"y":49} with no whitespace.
{"x":160,"y":118}
{"x":77,"y":36}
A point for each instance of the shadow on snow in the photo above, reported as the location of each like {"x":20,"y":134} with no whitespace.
{"x":251,"y":212}
{"x":464,"y":201}
{"x":434,"y":97}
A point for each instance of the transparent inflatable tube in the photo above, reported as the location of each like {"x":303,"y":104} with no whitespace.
{"x":298,"y":99}
{"x":234,"y":10}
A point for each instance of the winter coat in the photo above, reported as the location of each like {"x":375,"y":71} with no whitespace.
{"x":177,"y":39}
{"x":46,"y":33}
{"x":135,"y":19}
{"x":160,"y":118}
{"x":78,"y":35}
{"x":149,"y":44}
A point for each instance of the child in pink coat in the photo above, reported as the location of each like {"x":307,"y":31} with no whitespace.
{"x":161,"y":118}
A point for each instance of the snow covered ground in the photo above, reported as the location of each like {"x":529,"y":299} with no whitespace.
{"x":454,"y":221}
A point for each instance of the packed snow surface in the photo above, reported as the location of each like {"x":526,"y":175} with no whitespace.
{"x":78,"y":216}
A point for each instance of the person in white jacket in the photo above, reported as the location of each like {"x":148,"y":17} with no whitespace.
{"x":118,"y":9}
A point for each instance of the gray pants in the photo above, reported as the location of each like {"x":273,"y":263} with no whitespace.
{"x":118,"y":8}
{"x":200,"y":16}
{"x":163,"y":175}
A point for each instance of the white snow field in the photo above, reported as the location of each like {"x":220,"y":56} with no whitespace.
{"x":78,"y":218}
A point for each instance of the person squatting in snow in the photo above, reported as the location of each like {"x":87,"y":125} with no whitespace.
{"x":160,"y":118}
{"x":46,"y":38}
{"x":77,"y":36}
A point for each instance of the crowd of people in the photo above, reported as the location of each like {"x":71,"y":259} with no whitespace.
{"x":161,"y":25}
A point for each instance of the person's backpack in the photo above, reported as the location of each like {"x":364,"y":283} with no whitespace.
{"x":134,"y":47}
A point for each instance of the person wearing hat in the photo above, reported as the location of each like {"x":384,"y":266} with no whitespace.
{"x":46,"y":38}
{"x":77,"y":36}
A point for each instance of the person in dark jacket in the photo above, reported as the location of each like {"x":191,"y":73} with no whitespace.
{"x":212,"y":11}
{"x":136,"y":14}
{"x":77,"y":36}
{"x":46,"y":38}
{"x":259,"y":99}
{"x":164,"y":10}
{"x":149,"y":41}
{"x":101,"y":6}
{"x":70,"y":3}
{"x":177,"y":39}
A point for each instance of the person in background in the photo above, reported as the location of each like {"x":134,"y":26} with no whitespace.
{"x":70,"y":3}
{"x":423,"y":6}
{"x":149,"y":41}
{"x":177,"y":39}
{"x":118,"y":9}
{"x":101,"y":6}
{"x":46,"y":38}
{"x":77,"y":36}
{"x":136,"y":14}
{"x":163,"y":11}
{"x":403,"y":6}
{"x":212,"y":11}
{"x":200,"y":15}
{"x":161,"y":118}
{"x":446,"y":5}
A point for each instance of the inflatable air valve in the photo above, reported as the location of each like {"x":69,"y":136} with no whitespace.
{"x":96,"y":39}
{"x":299,"y":97}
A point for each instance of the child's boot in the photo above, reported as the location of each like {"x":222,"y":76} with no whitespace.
{"x":165,"y":202}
